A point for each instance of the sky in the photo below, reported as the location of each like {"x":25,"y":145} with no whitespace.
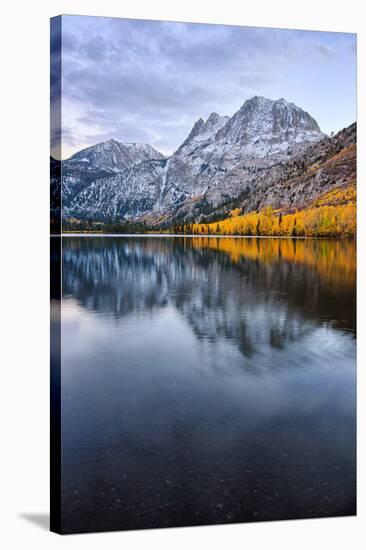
{"x":149,"y":81}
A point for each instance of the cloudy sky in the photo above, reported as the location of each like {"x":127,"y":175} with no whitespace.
{"x":149,"y":81}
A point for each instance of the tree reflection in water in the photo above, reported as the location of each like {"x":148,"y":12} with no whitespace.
{"x":206,"y":380}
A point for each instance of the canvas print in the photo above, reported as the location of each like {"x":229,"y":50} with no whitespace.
{"x":203,"y":274}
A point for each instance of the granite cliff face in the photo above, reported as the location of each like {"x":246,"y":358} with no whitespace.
{"x":114,"y":155}
{"x":99,"y":163}
{"x":211,"y":168}
{"x":321,"y":167}
{"x":266,"y":153}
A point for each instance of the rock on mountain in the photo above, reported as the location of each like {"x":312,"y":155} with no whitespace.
{"x":115,"y":155}
{"x":260,"y":135}
{"x":322,"y":167}
{"x":263,"y":127}
{"x":128,"y":195}
{"x":213,"y":165}
{"x":202,"y":130}
{"x":327,"y":165}
{"x":101,"y":161}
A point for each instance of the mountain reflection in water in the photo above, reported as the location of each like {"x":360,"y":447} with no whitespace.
{"x":207,"y":380}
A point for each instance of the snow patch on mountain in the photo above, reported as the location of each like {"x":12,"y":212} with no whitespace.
{"x":215,"y":163}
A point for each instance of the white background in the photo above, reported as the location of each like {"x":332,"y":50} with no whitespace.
{"x":24,"y":120}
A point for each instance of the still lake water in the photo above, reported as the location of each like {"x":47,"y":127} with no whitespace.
{"x":206,"y":380}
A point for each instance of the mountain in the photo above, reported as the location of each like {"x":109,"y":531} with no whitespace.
{"x":99,"y":162}
{"x":223,"y":159}
{"x":128,"y":195}
{"x":260,"y":135}
{"x":322,"y":167}
{"x":204,"y":130}
{"x":115,"y":155}
{"x":264,"y":127}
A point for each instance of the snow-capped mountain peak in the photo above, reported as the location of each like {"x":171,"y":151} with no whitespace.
{"x":216,"y":162}
{"x":116,"y":155}
{"x":203,"y":130}
{"x":263,"y":126}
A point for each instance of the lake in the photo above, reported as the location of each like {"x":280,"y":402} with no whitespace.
{"x":206,"y":380}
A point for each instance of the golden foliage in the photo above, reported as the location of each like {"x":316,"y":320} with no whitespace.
{"x":235,"y":212}
{"x":334,"y":261}
{"x":332,"y":215}
{"x":341,"y":195}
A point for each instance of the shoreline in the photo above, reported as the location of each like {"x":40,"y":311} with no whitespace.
{"x":166,"y":235}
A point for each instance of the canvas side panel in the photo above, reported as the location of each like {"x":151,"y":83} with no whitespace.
{"x":55,"y":274}
{"x":55,"y":125}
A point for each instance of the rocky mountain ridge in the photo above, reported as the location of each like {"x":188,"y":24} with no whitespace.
{"x":115,"y":155}
{"x":322,"y":167}
{"x":223,"y":160}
